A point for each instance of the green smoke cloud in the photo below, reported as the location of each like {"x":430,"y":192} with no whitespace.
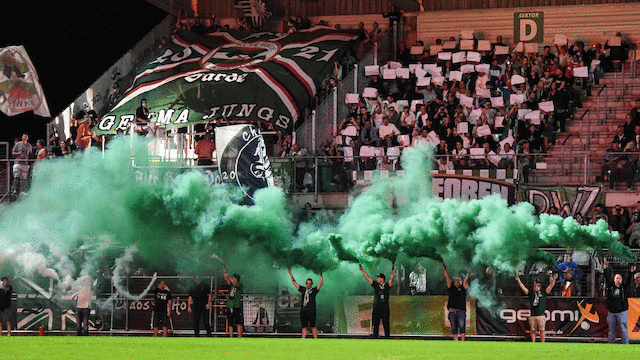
{"x":84,"y":211}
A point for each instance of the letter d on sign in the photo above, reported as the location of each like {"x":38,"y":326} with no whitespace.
{"x":528,"y":29}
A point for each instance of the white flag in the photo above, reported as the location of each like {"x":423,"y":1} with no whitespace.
{"x":20,"y":89}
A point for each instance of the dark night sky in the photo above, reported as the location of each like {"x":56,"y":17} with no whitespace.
{"x":71,"y":43}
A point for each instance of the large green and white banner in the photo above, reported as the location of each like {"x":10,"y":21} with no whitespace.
{"x":243,"y":76}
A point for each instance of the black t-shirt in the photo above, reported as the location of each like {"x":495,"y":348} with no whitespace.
{"x":142,"y":113}
{"x":5,"y":297}
{"x":161,"y":298}
{"x":457,"y":298}
{"x":308,"y":298}
{"x":200,"y":295}
{"x":538,"y":302}
{"x":381,"y":297}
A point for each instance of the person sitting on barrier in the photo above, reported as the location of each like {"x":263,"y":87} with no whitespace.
{"x":537,"y":305}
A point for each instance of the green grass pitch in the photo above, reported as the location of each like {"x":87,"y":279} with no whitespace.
{"x":66,"y":347}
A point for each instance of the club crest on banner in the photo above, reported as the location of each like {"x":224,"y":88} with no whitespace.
{"x":237,"y":55}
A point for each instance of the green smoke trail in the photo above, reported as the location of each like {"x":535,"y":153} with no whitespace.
{"x":478,"y":234}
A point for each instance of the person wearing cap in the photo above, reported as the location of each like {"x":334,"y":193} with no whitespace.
{"x":87,"y":113}
{"x":457,"y":303}
{"x":538,"y":304}
{"x":308,"y":308}
{"x":570,"y":287}
{"x":380,"y":301}
{"x":234,"y":304}
{"x":617,"y":302}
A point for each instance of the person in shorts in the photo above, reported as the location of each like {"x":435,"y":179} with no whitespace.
{"x":234,"y":304}
{"x":457,"y":304}
{"x":538,"y":304}
{"x":308,"y":307}
{"x":161,"y":308}
{"x":22,"y":152}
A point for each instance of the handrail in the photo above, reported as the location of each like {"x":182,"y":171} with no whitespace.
{"x":585,"y":113}
{"x":603,"y":87}
{"x":567,"y":138}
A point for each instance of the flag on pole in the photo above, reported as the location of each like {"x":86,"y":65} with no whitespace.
{"x":20,"y":89}
{"x":255,"y":10}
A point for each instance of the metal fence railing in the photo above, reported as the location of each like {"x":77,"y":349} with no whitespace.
{"x":5,"y":170}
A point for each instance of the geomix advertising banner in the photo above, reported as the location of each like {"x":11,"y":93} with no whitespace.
{"x":250,"y":77}
{"x":409,"y":315}
{"x":571,"y":317}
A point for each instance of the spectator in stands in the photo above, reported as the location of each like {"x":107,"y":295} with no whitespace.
{"x":87,"y":113}
{"x":407,"y":121}
{"x":348,"y":129}
{"x":570,"y":285}
{"x":634,"y":287}
{"x":375,"y":32}
{"x":204,"y":150}
{"x":617,"y":52}
{"x":41,"y":151}
{"x":507,"y":156}
{"x":598,"y":213}
{"x":403,"y":54}
{"x":285,"y":145}
{"x":622,"y":137}
{"x":85,"y":135}
{"x":460,"y":156}
{"x":22,"y":151}
{"x":525,"y":161}
{"x":596,"y":54}
{"x":394,"y":16}
{"x":369,"y":135}
{"x":61,"y":149}
{"x":394,"y":118}
{"x":444,"y":164}
{"x":619,"y":221}
{"x":183,"y":22}
{"x":377,"y":83}
{"x":340,"y":173}
{"x":547,"y":55}
{"x":635,"y":113}
{"x":633,"y":231}
{"x":299,"y":156}
{"x":386,"y":164}
{"x":388,"y":132}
